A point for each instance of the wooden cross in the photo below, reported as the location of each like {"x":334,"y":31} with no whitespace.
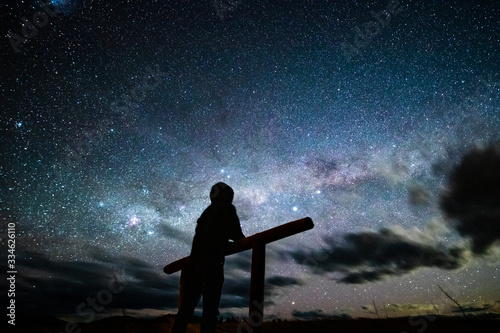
{"x":257,"y":243}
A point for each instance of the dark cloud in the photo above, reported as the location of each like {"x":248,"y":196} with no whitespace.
{"x":405,"y":308}
{"x":282,"y":281}
{"x":235,"y":293}
{"x":318,"y":314}
{"x":367,"y":276}
{"x":274,"y":285}
{"x":236,"y":286}
{"x":236,"y":290}
{"x":478,"y":308}
{"x":240,"y":260}
{"x":472,"y":199}
{"x":173,"y":233}
{"x":232,"y":301}
{"x":314,"y":314}
{"x":372,"y":256}
{"x":472,"y":308}
{"x":59,"y":287}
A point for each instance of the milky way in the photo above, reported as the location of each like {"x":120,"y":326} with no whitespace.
{"x":119,"y":117}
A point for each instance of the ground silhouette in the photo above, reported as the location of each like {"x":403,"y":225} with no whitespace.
{"x":164,"y":324}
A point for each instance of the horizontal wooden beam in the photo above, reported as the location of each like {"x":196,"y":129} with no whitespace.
{"x":264,"y":237}
{"x":176,"y":265}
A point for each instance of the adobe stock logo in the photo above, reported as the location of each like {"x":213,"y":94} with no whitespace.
{"x":95,"y":304}
{"x":129,"y":102}
{"x":28,"y":29}
{"x":362,"y":38}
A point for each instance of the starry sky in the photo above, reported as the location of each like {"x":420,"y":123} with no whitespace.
{"x":118,"y":116}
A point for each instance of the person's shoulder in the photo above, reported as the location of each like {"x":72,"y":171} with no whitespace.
{"x":207,"y":210}
{"x":225,"y":207}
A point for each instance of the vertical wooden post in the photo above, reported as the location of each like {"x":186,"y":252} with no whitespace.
{"x":181,"y":284}
{"x":257,"y":278}
{"x":257,"y":243}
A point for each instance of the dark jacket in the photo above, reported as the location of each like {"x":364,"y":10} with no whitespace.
{"x":218,"y":224}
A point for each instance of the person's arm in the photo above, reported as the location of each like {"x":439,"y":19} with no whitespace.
{"x":234,"y":226}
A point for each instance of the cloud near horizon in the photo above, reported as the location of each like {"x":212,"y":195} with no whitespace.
{"x":478,"y":307}
{"x":59,"y":287}
{"x":406,"y":309}
{"x":372,"y":256}
{"x":318,"y":314}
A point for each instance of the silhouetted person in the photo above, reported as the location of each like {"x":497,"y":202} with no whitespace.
{"x":218,"y":224}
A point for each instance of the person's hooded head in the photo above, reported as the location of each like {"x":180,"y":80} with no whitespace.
{"x":221,"y":192}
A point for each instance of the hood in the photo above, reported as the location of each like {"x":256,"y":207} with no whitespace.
{"x":221,"y":192}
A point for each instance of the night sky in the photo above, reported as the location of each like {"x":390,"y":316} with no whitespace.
{"x":376,"y":119}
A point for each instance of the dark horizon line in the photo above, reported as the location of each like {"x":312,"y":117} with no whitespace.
{"x":47,"y":317}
